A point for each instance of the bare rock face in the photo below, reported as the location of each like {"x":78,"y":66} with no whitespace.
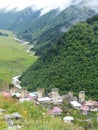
{"x":16,"y":115}
{"x":17,"y":127}
{"x":10,"y":123}
{"x":8,"y":116}
{"x":11,"y":119}
{"x":2,"y":111}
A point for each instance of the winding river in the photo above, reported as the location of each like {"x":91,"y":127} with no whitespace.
{"x":16,"y":82}
{"x":15,"y":79}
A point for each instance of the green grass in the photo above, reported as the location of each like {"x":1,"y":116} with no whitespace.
{"x":13,"y":58}
{"x":34,"y":117}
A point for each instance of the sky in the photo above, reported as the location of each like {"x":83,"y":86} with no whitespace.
{"x":36,"y":4}
{"x":46,"y":5}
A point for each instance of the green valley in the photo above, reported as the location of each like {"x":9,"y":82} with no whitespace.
{"x":49,"y":66}
{"x":13,"y":58}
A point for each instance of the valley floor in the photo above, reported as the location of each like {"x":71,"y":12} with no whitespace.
{"x":13,"y":58}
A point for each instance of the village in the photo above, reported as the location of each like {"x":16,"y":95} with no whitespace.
{"x":54,"y":103}
{"x":53,"y":100}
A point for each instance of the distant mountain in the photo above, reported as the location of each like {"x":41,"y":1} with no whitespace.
{"x":61,"y":23}
{"x":24,"y":19}
{"x":72,"y":65}
{"x":17,"y":20}
{"x":43,"y":31}
{"x":46,"y":30}
{"x":38,"y":26}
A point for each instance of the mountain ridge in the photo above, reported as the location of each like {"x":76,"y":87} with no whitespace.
{"x":43,"y":31}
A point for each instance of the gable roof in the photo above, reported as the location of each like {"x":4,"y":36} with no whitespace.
{"x":75,"y":103}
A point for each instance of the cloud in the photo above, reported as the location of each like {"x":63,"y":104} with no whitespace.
{"x":46,"y":5}
{"x":93,"y":4}
{"x":10,"y":4}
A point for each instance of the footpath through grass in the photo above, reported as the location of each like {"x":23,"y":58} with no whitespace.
{"x":13,"y":58}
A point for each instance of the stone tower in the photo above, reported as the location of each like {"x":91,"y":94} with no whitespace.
{"x":71,"y":94}
{"x":24,"y":92}
{"x":40,"y":92}
{"x":97,"y":118}
{"x":81,"y":96}
{"x":54,"y":95}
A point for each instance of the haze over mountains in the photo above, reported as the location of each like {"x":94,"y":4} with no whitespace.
{"x":43,"y":31}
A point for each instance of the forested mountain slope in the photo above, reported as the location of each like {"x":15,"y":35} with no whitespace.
{"x":72,"y":65}
{"x":51,"y":32}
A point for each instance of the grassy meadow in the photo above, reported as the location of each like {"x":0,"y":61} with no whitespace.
{"x":13,"y":58}
{"x":33,"y":117}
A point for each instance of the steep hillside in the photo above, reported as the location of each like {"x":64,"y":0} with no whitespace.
{"x":24,"y":19}
{"x":38,"y":26}
{"x":71,"y":64}
{"x":60,"y":24}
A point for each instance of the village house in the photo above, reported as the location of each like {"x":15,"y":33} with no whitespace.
{"x":68,"y":119}
{"x":55,"y":111}
{"x":70,"y":97}
{"x":56,"y":98}
{"x":53,"y":97}
{"x":45,"y":99}
{"x":84,"y":106}
{"x":41,"y":96}
{"x":93,"y":105}
{"x":75,"y":104}
{"x":84,"y":109}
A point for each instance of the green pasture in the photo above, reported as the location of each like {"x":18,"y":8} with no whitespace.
{"x":13,"y":57}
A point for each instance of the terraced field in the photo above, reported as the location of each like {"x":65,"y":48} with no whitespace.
{"x":13,"y":57}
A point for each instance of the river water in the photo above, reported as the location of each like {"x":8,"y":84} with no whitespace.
{"x":16,"y":82}
{"x":15,"y":79}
